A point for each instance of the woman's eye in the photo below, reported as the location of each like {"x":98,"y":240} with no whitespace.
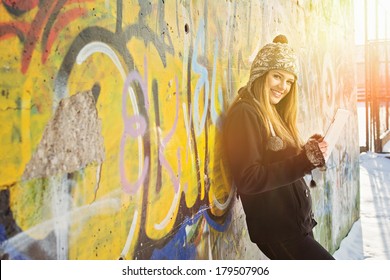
{"x":277,"y":77}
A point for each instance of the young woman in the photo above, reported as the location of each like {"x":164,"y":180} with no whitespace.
{"x":268,"y":160}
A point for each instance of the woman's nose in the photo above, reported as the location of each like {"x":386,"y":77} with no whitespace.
{"x":283,"y":85}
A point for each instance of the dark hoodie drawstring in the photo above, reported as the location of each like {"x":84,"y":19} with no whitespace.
{"x":312,"y":182}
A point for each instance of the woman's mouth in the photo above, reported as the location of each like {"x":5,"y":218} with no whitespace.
{"x":276,"y":93}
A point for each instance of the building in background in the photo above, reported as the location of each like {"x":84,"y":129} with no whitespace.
{"x":372,"y":38}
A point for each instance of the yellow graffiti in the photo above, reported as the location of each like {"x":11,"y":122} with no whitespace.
{"x":109,"y":220}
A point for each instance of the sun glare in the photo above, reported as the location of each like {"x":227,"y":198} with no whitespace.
{"x":378,"y":20}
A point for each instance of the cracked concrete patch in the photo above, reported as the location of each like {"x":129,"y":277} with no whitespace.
{"x":71,"y":140}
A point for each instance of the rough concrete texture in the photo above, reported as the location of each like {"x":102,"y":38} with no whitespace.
{"x":71,"y":140}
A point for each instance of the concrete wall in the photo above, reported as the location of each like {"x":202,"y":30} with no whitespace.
{"x":110,"y":114}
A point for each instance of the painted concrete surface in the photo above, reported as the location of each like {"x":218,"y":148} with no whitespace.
{"x":161,"y":74}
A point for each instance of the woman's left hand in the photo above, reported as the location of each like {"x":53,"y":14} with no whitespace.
{"x":323,"y":145}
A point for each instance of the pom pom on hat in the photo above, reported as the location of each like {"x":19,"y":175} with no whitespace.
{"x":280,"y":39}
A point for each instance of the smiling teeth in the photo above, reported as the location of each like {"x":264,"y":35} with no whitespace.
{"x":277,"y":93}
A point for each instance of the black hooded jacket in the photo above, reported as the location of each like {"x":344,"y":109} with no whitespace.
{"x":274,"y":195}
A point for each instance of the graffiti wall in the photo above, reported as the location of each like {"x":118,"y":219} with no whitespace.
{"x":110,"y":117}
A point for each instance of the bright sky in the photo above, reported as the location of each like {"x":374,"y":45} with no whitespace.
{"x":383,"y":10}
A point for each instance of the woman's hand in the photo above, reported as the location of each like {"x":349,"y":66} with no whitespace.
{"x":323,"y":147}
{"x":315,"y":149}
{"x":322,"y":144}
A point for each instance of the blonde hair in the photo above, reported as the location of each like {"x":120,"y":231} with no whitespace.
{"x":283,"y":116}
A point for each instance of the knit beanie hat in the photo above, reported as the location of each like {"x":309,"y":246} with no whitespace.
{"x":276,"y":55}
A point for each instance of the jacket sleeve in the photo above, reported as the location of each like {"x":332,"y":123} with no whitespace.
{"x":245,"y":146}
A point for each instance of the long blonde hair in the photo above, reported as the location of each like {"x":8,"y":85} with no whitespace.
{"x":283,"y":116}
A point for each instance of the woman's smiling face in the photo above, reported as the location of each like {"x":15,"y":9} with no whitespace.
{"x":279,"y":84}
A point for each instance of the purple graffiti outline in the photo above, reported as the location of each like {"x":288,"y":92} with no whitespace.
{"x":134,"y":126}
{"x":163,"y":161}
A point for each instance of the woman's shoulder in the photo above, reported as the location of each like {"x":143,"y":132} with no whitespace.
{"x":243,"y":113}
{"x":242,"y":105}
{"x":243,"y":101}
